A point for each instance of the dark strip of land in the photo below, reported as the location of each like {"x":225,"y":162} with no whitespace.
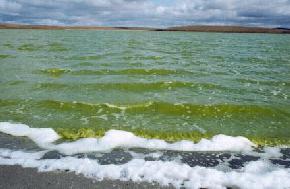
{"x":51,"y":27}
{"x":228,"y":29}
{"x":195,"y":28}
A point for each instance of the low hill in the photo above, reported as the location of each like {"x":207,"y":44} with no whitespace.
{"x":227,"y":29}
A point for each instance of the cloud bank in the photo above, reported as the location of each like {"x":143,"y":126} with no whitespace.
{"x":157,"y":13}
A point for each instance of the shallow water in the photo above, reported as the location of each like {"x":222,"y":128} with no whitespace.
{"x":168,"y":85}
{"x":158,"y":84}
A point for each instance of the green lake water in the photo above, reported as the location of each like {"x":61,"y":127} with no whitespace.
{"x":170,"y":85}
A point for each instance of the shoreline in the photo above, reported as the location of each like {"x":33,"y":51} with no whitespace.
{"x":15,"y":177}
{"x":52,"y":27}
{"x":195,"y":28}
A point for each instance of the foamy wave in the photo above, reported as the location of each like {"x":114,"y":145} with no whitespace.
{"x":260,"y":173}
{"x":38,"y":135}
{"x":257,"y":174}
{"x":44,"y":137}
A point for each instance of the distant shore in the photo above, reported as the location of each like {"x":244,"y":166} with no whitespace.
{"x":195,"y":28}
{"x":229,"y":29}
{"x":52,"y":27}
{"x":16,"y":177}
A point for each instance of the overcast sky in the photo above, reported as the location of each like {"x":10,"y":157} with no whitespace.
{"x":156,"y":13}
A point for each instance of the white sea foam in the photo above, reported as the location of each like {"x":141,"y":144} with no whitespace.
{"x":271,"y":152}
{"x":6,"y":153}
{"x":257,"y":174}
{"x":261,"y":174}
{"x":45,"y":137}
{"x":38,"y":135}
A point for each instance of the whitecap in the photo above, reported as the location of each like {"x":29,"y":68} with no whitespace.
{"x":44,"y":137}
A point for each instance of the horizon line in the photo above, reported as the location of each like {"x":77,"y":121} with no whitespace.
{"x":186,"y":28}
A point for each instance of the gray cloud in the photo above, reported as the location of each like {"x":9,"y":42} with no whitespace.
{"x":146,"y":12}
